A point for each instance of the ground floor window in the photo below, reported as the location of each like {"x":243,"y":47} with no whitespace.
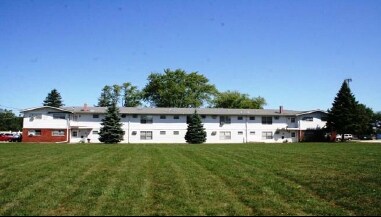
{"x":34,"y":132}
{"x":293,"y":135}
{"x":58,"y":132}
{"x":74,"y":133}
{"x":145,"y":135}
{"x":267,"y":135}
{"x":225,"y":135}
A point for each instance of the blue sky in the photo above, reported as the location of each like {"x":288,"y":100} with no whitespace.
{"x":292,"y":53}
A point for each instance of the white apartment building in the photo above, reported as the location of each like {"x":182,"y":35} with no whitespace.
{"x":169,"y":125}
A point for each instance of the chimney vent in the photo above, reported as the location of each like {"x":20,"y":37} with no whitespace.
{"x":85,"y":108}
{"x":280,"y":109}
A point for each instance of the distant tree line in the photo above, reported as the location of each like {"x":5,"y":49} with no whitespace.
{"x":9,"y":121}
{"x":177,"y":89}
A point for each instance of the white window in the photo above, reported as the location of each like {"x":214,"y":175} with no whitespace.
{"x":58,"y":132}
{"x":308,"y":119}
{"x":35,"y":116}
{"x":293,"y":134}
{"x":163,"y":117}
{"x":145,"y":135}
{"x":225,"y":135}
{"x":213,"y":133}
{"x":252,"y":118}
{"x":163,"y":132}
{"x":95,"y":115}
{"x":74,"y":133}
{"x":267,"y":135}
{"x":146,"y":119}
{"x":176,"y":132}
{"x":34,"y":132}
{"x":134,"y":133}
{"x":123,"y":116}
{"x":59,"y":116}
{"x":134,"y":116}
{"x":176,"y":117}
{"x":252,"y":133}
{"x":292,"y":120}
{"x":240,"y":133}
{"x":95,"y":132}
{"x":240,"y":118}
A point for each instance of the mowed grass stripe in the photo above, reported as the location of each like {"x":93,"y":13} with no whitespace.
{"x":208,"y":179}
{"x":290,"y":196}
{"x":44,"y":182}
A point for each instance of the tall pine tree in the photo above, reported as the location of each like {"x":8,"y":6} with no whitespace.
{"x":112,"y":131}
{"x":343,"y":117}
{"x":53,"y":99}
{"x":195,"y":132}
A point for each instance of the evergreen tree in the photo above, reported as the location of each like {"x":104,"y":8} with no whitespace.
{"x":347,"y":115}
{"x":112,"y":131}
{"x":53,"y":99}
{"x":195,"y":132}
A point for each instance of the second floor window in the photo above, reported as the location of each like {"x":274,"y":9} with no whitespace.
{"x":267,"y":120}
{"x":225,"y":120}
{"x":146,"y":119}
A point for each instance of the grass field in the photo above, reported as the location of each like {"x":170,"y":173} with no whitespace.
{"x":244,"y":179}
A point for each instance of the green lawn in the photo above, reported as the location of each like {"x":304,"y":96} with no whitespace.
{"x":244,"y":179}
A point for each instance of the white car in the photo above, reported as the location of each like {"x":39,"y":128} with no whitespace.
{"x":346,"y":137}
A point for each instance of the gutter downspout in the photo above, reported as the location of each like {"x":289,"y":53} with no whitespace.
{"x":67,"y":130}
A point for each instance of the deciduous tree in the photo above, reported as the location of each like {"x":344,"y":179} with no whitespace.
{"x":178,"y":89}
{"x":237,"y":100}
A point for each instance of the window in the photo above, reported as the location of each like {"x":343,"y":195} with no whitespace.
{"x":95,"y":132}
{"x":163,"y":117}
{"x":214,"y":116}
{"x":252,"y":133}
{"x":240,"y":118}
{"x":225,"y":120}
{"x":240,"y":133}
{"x":134,"y":116}
{"x":146,"y":119}
{"x":252,"y":118}
{"x":276,"y":117}
{"x":225,"y":135}
{"x":34,"y":132}
{"x":58,"y":132}
{"x":146,"y":135}
{"x":123,"y":115}
{"x":293,"y":134}
{"x":176,"y":132}
{"x":267,"y":120}
{"x":292,"y":120}
{"x":134,"y":133}
{"x":163,"y":132}
{"x":59,"y":116}
{"x":267,"y":135}
{"x":307,"y":118}
{"x":35,"y":116}
{"x":95,"y":115}
{"x":74,"y":133}
{"x":203,"y":116}
{"x":213,"y":133}
{"x":176,"y":117}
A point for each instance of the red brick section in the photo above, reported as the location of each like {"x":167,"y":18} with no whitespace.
{"x":46,"y":136}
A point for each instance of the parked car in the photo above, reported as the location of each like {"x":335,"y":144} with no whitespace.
{"x":16,"y":138}
{"x":365,"y":137}
{"x":7,"y":137}
{"x":346,"y":137}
